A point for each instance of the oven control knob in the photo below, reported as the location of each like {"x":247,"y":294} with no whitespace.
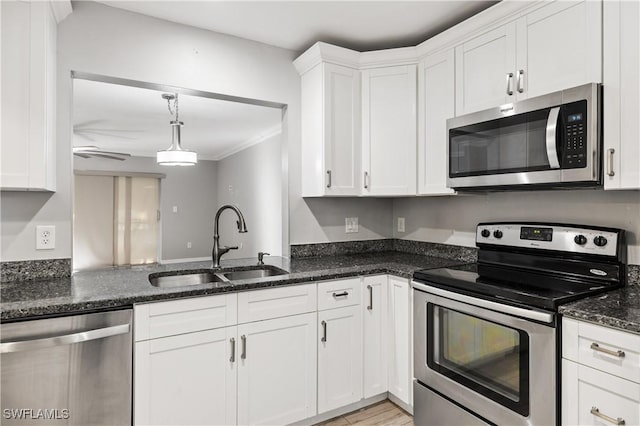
{"x":497,"y":233}
{"x":485,"y":233}
{"x":600,"y":241}
{"x":580,"y":240}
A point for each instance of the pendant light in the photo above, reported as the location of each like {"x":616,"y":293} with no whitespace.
{"x":175,"y":155}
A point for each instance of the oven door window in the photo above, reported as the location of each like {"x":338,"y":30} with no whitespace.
{"x":489,"y":358}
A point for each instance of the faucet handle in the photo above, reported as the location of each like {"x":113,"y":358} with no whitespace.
{"x":261,"y":255}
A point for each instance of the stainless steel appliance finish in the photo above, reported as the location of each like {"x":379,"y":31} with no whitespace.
{"x":529,"y":143}
{"x":541,"y":356}
{"x":486,"y":337}
{"x":447,"y":413}
{"x":73,"y":370}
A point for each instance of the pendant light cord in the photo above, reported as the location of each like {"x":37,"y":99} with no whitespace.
{"x":175,"y":105}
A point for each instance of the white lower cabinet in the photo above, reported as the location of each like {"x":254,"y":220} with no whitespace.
{"x":374,"y":332}
{"x":277,"y":370}
{"x":400,"y":340}
{"x":274,"y":356}
{"x":600,"y":375}
{"x":187,"y":379}
{"x":339,"y":357}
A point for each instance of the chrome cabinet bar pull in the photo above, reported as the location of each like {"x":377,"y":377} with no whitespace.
{"x":324,"y":331}
{"x":370,"y":307}
{"x":366,"y":177}
{"x":520,"y":81}
{"x":243,"y":355}
{"x":233,"y":350}
{"x":343,"y":294}
{"x":66,"y":339}
{"x":328,"y":178}
{"x":610,"y":153}
{"x":596,"y":347}
{"x":509,"y":79}
{"x":617,"y":421}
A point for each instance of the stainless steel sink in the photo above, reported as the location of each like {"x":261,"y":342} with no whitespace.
{"x":206,"y":276}
{"x":260,"y":271}
{"x":186,"y":278}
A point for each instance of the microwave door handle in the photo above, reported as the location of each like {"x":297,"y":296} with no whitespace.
{"x":552,"y":124}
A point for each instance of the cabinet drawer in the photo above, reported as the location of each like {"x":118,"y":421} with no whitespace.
{"x":591,"y":397}
{"x":270,"y":303}
{"x":603,"y":348}
{"x":335,"y":294}
{"x":153,"y":320}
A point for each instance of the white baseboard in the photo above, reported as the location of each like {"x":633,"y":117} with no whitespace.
{"x":406,"y":407}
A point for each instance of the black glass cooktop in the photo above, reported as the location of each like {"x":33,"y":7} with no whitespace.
{"x":512,"y":285}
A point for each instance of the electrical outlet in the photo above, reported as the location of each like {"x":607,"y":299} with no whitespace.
{"x":188,"y":244}
{"x":45,"y":237}
{"x":175,"y":209}
{"x":350,"y":225}
{"x":401,"y":224}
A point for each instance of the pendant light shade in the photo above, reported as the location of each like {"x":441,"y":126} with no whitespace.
{"x":175,"y":155}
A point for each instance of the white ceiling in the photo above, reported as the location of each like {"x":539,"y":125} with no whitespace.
{"x":136,"y":121}
{"x":296,"y":25}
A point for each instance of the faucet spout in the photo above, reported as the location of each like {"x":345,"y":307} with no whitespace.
{"x":218,"y":251}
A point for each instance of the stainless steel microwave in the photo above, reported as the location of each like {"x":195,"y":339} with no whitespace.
{"x":544,"y":142}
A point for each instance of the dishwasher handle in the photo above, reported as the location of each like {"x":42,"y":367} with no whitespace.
{"x":65,"y":339}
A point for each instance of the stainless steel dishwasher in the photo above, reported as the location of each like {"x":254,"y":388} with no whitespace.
{"x":72,"y":370}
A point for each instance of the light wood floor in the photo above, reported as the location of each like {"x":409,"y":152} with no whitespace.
{"x":383,"y":413}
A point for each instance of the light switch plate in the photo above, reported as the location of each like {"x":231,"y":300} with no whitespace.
{"x":45,"y":237}
{"x":350,"y":225}
{"x":401,"y":224}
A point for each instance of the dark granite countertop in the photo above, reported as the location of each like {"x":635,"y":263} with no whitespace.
{"x":619,"y":308}
{"x":121,"y":287}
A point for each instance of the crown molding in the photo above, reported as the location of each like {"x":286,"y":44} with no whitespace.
{"x":269,"y":133}
{"x":502,"y":13}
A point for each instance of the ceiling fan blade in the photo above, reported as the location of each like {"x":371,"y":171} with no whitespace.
{"x":107,"y":156}
{"x":81,"y":155}
{"x":120,"y":154}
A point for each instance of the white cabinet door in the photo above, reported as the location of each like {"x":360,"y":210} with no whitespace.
{"x":400,"y":340}
{"x":277,"y":370}
{"x":189,"y":379}
{"x":28,"y":96}
{"x":588,"y":395}
{"x":331,"y":131}
{"x":436,"y":93}
{"x":621,"y":94}
{"x":485,"y":70}
{"x":559,"y":46}
{"x":339,"y":357}
{"x":374,"y":331}
{"x":389,"y":130}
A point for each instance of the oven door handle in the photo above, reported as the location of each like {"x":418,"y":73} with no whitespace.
{"x":487,"y":304}
{"x":552,"y":124}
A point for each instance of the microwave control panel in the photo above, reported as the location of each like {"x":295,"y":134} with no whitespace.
{"x":574,"y":135}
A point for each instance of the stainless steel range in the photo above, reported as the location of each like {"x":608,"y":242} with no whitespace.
{"x":487,"y":336}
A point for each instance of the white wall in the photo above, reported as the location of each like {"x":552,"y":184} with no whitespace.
{"x":103,"y":40}
{"x":251,"y":179}
{"x":452,"y":220}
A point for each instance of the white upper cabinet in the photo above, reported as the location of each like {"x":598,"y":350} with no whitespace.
{"x":28,"y":96}
{"x":389,"y":130}
{"x":554,"y":47}
{"x":330,"y":131}
{"x":436,"y":93}
{"x":621,"y":94}
{"x":485,"y":70}
{"x":559,"y":46}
